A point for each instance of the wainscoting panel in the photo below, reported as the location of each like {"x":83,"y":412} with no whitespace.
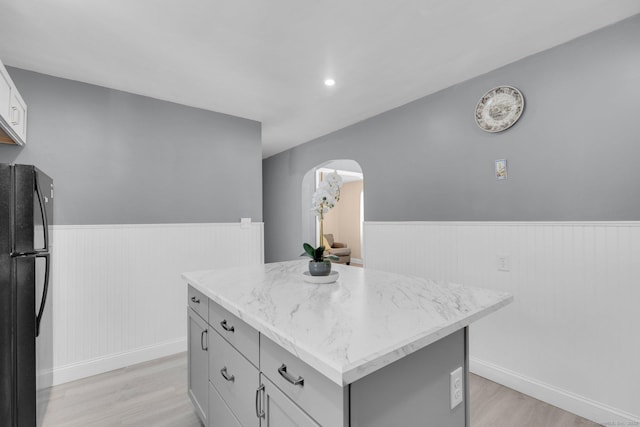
{"x":571,"y":335}
{"x":117,"y":295}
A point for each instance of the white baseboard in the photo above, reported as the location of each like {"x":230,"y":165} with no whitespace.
{"x":356,"y":261}
{"x":87,"y":368}
{"x":571,"y":402}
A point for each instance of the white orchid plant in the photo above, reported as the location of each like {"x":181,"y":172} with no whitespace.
{"x":327,"y":194}
{"x":324,"y":199}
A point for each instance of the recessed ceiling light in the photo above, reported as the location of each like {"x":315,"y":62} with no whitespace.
{"x":329,"y":82}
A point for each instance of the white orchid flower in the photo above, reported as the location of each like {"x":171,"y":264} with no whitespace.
{"x":334,"y":179}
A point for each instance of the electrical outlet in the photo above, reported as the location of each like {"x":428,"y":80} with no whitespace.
{"x":456,"y":387}
{"x":503,"y":262}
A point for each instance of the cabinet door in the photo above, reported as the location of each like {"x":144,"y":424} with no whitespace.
{"x":5,"y":92}
{"x":18,"y":115}
{"x":13,"y":111}
{"x":198,"y":364}
{"x":219,"y":413}
{"x":279,"y":410}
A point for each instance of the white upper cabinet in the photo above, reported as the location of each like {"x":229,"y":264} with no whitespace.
{"x":5,"y":93}
{"x":13,"y":111}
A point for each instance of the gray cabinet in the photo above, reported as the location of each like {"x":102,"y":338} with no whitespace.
{"x":238,"y":394}
{"x":198,"y":368}
{"x":278,"y":410}
{"x":239,"y":377}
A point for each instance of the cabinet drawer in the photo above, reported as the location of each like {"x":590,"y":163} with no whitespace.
{"x":198,"y":302}
{"x":242,"y":336}
{"x":234,"y":378}
{"x":321,"y":398}
{"x":219,"y":413}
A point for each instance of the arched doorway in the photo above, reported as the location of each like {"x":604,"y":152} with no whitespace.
{"x":344,"y":221}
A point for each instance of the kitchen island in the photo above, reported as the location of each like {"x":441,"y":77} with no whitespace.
{"x":373,"y":349}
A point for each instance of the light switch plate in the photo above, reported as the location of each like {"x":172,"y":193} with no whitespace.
{"x":501,"y":169}
{"x":503,"y":262}
{"x":456,"y":387}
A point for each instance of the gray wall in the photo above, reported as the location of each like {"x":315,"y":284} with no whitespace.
{"x":574,"y":154}
{"x":119,"y":158}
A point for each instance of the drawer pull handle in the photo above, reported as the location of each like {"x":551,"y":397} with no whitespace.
{"x":226,"y":376}
{"x":282,"y":370}
{"x":195,"y":300}
{"x":259,"y":410}
{"x":15,"y":115}
{"x":202,"y":334}
{"x":226,"y":327}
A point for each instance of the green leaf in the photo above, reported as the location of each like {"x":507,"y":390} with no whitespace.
{"x":308,"y":250}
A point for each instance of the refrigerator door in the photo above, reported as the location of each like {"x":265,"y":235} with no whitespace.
{"x":33,"y":210}
{"x":44,"y":336}
{"x":6,"y":295}
{"x":33,"y":359}
{"x":24,"y":274}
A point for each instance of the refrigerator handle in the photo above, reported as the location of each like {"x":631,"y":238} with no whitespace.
{"x":45,"y":290}
{"x":43,"y":211}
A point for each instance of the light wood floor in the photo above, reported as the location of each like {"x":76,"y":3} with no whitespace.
{"x":493,"y":405}
{"x":148,"y":394}
{"x":155,"y":394}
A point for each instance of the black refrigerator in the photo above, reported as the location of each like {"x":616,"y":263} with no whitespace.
{"x":26,"y":340}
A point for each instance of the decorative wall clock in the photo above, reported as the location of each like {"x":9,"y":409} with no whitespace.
{"x":499,"y":109}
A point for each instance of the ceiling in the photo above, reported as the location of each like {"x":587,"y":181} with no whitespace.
{"x":267,"y":60}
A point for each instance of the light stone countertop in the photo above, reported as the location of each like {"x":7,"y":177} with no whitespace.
{"x":348,"y":329}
